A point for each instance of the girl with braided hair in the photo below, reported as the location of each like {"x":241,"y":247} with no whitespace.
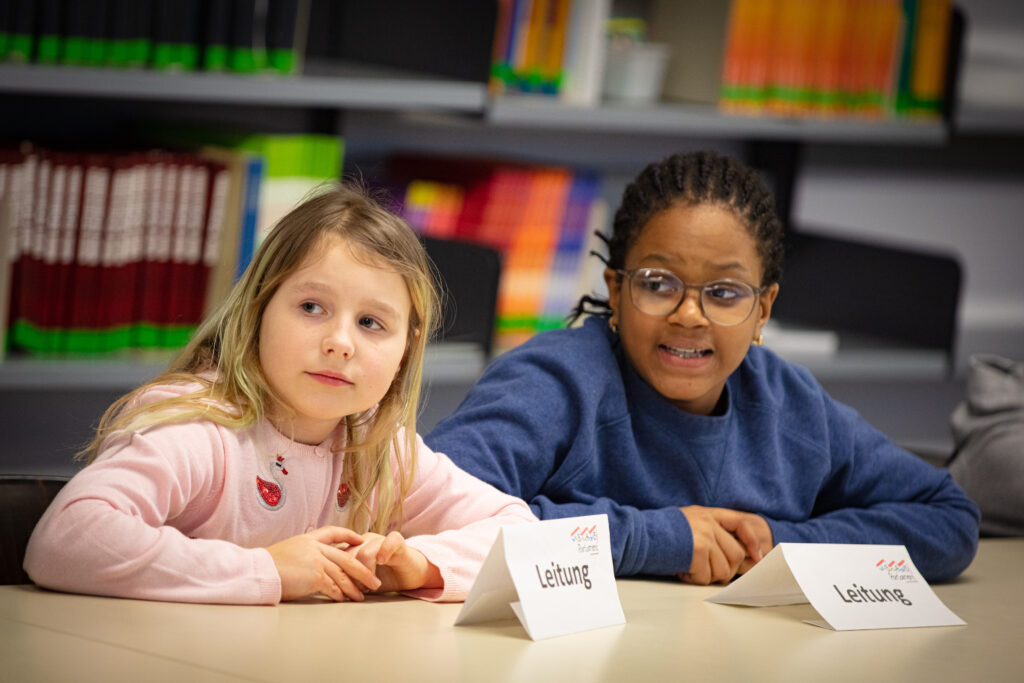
{"x":663,"y":411}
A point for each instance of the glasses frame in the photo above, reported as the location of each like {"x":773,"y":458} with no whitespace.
{"x":628,"y":275}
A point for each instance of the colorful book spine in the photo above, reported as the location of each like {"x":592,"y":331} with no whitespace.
{"x":931,"y":45}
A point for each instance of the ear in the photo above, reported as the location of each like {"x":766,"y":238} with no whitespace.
{"x":614,"y":284}
{"x":765,"y":301}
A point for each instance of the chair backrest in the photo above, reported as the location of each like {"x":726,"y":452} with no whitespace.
{"x":23,"y":499}
{"x":906,"y":297}
{"x":469,"y":276}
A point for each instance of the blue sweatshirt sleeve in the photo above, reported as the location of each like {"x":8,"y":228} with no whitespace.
{"x":878,"y":493}
{"x":528,"y":427}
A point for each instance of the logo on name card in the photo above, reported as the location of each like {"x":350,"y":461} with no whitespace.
{"x":585,"y":540}
{"x":896,"y":570}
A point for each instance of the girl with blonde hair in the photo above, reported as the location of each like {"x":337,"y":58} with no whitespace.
{"x":277,"y":457}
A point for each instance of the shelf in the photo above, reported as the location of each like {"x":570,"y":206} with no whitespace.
{"x":866,"y":365}
{"x":990,"y":119}
{"x":705,"y":121}
{"x":442,"y":363}
{"x":343,"y":86}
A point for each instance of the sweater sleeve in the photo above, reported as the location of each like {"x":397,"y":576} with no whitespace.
{"x":878,"y":493}
{"x":453,"y":518}
{"x":107,"y":531}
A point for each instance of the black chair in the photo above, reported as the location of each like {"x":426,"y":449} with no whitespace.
{"x":23,"y":499}
{"x":897,"y":296}
{"x":469,"y":276}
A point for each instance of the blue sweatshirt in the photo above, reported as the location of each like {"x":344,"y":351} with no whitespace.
{"x":565,"y":423}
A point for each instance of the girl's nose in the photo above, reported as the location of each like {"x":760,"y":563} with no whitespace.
{"x":689,"y":312}
{"x":338,"y":342}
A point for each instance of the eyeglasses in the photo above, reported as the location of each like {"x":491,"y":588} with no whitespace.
{"x":659,"y":292}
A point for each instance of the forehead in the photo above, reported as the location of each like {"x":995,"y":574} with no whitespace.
{"x":699,"y":236}
{"x":347,"y":268}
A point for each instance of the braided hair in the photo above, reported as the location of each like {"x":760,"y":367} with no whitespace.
{"x":692,"y":178}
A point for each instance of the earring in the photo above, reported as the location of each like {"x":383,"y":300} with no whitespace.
{"x":759,"y":340}
{"x":613,"y":325}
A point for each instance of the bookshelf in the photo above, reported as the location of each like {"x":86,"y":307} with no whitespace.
{"x":421,"y":96}
{"x":705,"y":121}
{"x":326,"y":86}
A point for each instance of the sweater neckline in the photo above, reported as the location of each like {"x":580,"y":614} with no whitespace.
{"x":649,"y":406}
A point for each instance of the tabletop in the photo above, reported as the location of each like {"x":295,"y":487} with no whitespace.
{"x":670,"y":633}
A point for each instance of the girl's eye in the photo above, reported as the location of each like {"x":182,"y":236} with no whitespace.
{"x":370,"y":323}
{"x":724,"y":293}
{"x":657,"y":284}
{"x":311,"y":307}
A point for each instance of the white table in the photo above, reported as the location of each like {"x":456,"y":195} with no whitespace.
{"x":671,"y":634}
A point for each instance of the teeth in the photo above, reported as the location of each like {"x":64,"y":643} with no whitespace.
{"x":685,"y":353}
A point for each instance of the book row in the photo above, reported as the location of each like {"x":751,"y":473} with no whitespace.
{"x":836,"y":57}
{"x":778,"y":57}
{"x":213,"y":35}
{"x":110,"y":250}
{"x":541,"y":219}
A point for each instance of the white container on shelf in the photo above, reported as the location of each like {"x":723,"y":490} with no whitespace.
{"x":635,"y":71}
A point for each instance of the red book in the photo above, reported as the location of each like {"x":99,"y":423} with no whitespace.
{"x":118,"y":275}
{"x":14,"y":186}
{"x":85,"y":304}
{"x":29,"y":318}
{"x":67,"y":246}
{"x":186,"y":248}
{"x":151,"y":274}
{"x":48,"y":315}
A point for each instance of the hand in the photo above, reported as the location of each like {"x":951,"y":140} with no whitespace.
{"x":310,"y":564}
{"x":399,"y":566}
{"x":717,"y":554}
{"x":752,"y":530}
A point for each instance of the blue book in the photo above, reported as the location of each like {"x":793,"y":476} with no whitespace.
{"x":250,"y":214}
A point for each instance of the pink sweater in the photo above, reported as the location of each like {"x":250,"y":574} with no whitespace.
{"x":183,"y":512}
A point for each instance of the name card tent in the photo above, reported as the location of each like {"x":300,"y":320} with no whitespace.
{"x":851,"y":586}
{"x":555,"y":576}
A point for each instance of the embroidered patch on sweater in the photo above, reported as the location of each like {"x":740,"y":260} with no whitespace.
{"x":272,"y":493}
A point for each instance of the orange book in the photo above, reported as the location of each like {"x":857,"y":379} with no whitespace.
{"x":827,"y":57}
{"x":738,"y":87}
{"x":878,"y":56}
{"x":931,"y":45}
{"x":853,"y":78}
{"x":790,"y":54}
{"x":554,"y":46}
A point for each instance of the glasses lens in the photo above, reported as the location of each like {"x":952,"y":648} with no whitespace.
{"x":655,"y":291}
{"x":727,"y":302}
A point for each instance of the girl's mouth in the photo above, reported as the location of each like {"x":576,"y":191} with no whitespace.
{"x":686,"y":353}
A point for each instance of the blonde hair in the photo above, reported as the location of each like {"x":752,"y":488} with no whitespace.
{"x":223,"y":355}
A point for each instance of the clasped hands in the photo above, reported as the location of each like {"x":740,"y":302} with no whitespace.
{"x":725,"y":543}
{"x":343,"y":564}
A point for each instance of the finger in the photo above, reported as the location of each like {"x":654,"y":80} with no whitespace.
{"x":745,"y":566}
{"x":393,"y":544}
{"x":700,"y":565}
{"x":747,"y":534}
{"x":351,"y":566}
{"x":732,"y":554}
{"x":332,"y":535}
{"x":344,"y":583}
{"x":720,"y":567}
{"x":329,"y":583}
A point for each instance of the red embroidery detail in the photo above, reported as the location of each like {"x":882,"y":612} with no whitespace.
{"x":269,"y":491}
{"x":284,"y":471}
{"x":280,"y":458}
{"x":343,"y":494}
